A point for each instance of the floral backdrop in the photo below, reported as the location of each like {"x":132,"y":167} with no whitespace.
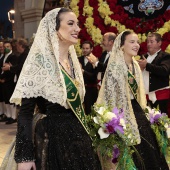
{"x":97,"y":17}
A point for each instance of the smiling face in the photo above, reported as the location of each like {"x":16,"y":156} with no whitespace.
{"x":86,"y":49}
{"x":106,"y":43}
{"x":19,"y":47}
{"x":153,"y":45}
{"x":8,"y":46}
{"x":69,"y":28}
{"x":131,"y":45}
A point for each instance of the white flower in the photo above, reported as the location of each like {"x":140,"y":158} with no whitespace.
{"x":130,"y":136}
{"x":157,"y":113}
{"x":96,"y":120}
{"x":149,"y":109}
{"x":102,"y":133}
{"x":109,"y":116}
{"x":168,"y":132}
{"x":132,"y":141}
{"x":101,"y":110}
{"x":166,"y":125}
{"x":122,"y":122}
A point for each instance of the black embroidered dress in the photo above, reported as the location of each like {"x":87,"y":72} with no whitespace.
{"x":60,"y":141}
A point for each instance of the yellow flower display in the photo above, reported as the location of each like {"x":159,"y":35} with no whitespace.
{"x":104,"y":9}
{"x":168,"y":49}
{"x":105,"y":12}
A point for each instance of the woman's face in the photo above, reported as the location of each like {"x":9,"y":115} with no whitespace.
{"x":69,"y":27}
{"x":131,"y":45}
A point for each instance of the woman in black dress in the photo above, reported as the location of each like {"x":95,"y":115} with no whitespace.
{"x":123,"y":88}
{"x":51,"y":77}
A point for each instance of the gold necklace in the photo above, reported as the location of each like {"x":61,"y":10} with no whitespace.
{"x":66,"y":62}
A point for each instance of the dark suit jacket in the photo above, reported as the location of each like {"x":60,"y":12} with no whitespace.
{"x":1,"y":62}
{"x":90,"y":74}
{"x":9,"y":84}
{"x":159,"y":71}
{"x":101,"y":67}
{"x":20,"y":62}
{"x":7,"y":75}
{"x":1,"y":90}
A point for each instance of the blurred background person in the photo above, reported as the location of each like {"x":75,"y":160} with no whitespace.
{"x":8,"y":83}
{"x":2,"y":104}
{"x":23,"y":50}
{"x":101,"y":63}
{"x":89,"y":75}
{"x":14,"y":47}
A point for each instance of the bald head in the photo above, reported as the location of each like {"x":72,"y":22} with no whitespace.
{"x":108,"y":40}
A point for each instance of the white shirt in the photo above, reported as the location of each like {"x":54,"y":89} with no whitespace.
{"x":85,"y":60}
{"x":149,"y":59}
{"x":1,"y":55}
{"x":6,"y":56}
{"x":107,"y":56}
{"x":151,"y":95}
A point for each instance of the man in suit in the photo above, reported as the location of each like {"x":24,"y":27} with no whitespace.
{"x":89,"y":75}
{"x":2,"y":104}
{"x":22,"y":49}
{"x":101,"y":63}
{"x":8,"y":83}
{"x":156,"y":69}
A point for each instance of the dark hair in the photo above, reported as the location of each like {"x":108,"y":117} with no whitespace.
{"x":23,"y":42}
{"x":58,"y":19}
{"x":156,"y":35}
{"x":87,"y":42}
{"x":123,"y":37}
{"x":9,"y":42}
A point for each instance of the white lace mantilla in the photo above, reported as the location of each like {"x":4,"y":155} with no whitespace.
{"x":41,"y":74}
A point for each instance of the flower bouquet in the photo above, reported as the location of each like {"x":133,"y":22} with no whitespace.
{"x":160,"y":123}
{"x":111,"y":135}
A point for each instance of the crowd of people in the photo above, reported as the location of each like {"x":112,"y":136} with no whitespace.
{"x":63,"y":85}
{"x":13,"y":54}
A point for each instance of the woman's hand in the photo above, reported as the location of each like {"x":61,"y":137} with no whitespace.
{"x":26,"y":166}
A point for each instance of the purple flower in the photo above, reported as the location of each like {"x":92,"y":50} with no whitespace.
{"x":118,"y":112}
{"x":116,"y":154}
{"x":114,"y":125}
{"x":154,"y":118}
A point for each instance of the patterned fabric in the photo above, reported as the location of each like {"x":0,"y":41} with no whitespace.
{"x":62,"y":143}
{"x":41,"y":74}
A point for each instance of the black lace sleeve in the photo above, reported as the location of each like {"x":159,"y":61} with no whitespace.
{"x":24,"y":145}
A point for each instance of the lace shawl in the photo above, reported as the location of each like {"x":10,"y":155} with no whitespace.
{"x":115,"y":91}
{"x":41,"y":74}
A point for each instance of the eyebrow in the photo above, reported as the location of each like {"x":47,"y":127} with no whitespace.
{"x":72,"y":21}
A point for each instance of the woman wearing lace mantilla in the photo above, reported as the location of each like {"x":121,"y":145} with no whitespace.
{"x":52,"y":72}
{"x":123,"y":88}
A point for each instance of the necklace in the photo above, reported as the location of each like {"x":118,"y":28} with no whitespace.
{"x":131,"y":68}
{"x":65,"y":62}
